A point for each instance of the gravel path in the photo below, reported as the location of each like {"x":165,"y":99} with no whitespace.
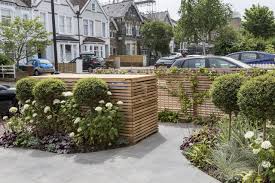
{"x":156,"y":159}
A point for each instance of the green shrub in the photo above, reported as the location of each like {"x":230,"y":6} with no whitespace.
{"x":4,"y":60}
{"x":224,"y":93}
{"x":90,"y":91}
{"x":256,"y":99}
{"x":24,"y":89}
{"x":168,"y":116}
{"x":45,"y":91}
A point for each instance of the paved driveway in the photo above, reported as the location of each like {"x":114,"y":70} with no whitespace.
{"x":154,"y":160}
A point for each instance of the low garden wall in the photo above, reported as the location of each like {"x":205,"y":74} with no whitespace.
{"x":139,"y":96}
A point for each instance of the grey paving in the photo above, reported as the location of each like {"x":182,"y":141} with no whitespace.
{"x":154,"y":160}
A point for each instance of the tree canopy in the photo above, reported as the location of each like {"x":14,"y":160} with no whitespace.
{"x":157,"y":36}
{"x":21,"y":39}
{"x":259,"y":20}
{"x":201,"y":17}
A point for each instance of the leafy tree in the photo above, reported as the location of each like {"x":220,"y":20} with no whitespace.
{"x":259,"y":20}
{"x":199,"y":18}
{"x":21,"y":39}
{"x":4,"y":60}
{"x":270,"y":48}
{"x":157,"y":36}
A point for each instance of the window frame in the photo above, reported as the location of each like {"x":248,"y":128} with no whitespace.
{"x":208,"y":63}
{"x":241,"y":56}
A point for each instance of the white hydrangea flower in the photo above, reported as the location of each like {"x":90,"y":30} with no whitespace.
{"x":256,"y":151}
{"x":31,"y":121}
{"x":33,"y":102}
{"x":27,"y":101}
{"x":266,"y":145}
{"x":77,"y":120}
{"x":258,"y":140}
{"x":79,"y":129}
{"x":266,"y":164}
{"x":71,"y":134}
{"x":249,"y":135}
{"x":101,"y":102}
{"x":109,"y":93}
{"x":27,"y":118}
{"x":98,"y":109}
{"x":34,"y":115}
{"x":47,"y":109}
{"x":273,"y":170}
{"x":119,"y":103}
{"x":63,"y":101}
{"x":49,"y":117}
{"x":13,"y":110}
{"x":75,"y":105}
{"x":26,"y":106}
{"x":5,"y":118}
{"x":109,"y":105}
{"x":56,"y":101}
{"x":67,"y":94}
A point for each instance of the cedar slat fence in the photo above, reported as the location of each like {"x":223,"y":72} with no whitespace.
{"x":139,"y":95}
{"x":130,"y":60}
{"x":67,"y":67}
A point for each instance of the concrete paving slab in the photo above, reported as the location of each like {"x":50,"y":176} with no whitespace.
{"x":156,"y":159}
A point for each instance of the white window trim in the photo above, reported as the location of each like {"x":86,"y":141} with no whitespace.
{"x":5,"y":8}
{"x":46,"y":19}
{"x":65,"y":25}
{"x":91,"y":32}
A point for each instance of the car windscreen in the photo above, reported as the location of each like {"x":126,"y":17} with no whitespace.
{"x":45,"y":62}
{"x":166,"y":61}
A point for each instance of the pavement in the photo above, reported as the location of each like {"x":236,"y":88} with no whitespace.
{"x":156,"y":159}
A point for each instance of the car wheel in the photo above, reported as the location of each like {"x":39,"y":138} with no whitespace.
{"x":36,"y":73}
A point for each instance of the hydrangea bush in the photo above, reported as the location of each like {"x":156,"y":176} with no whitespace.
{"x":53,"y":121}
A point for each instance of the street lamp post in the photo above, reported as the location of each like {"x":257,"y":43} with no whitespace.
{"x":54,"y":37}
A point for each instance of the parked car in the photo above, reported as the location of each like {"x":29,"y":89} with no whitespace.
{"x":166,"y":62}
{"x":209,"y":62}
{"x":90,"y":61}
{"x":253,"y":57}
{"x":7,"y":99}
{"x":41,"y":66}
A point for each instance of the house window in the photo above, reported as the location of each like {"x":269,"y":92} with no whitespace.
{"x":103,"y":29}
{"x":128,"y":49}
{"x":56,"y":1}
{"x":25,"y":16}
{"x":129,"y":30}
{"x":61,"y":24}
{"x":137,"y":30}
{"x":91,"y":27}
{"x":133,"y":49}
{"x":101,"y":51}
{"x":43,"y":19}
{"x":86,"y":27}
{"x":69,"y":25}
{"x":93,"y":6}
{"x":5,"y":16}
{"x":96,"y":50}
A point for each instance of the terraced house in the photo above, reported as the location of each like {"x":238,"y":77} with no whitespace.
{"x":81,"y":25}
{"x":125,"y":23}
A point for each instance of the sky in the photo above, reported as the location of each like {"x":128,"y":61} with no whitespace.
{"x":237,"y":5}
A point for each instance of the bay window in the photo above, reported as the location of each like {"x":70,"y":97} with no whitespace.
{"x":86,"y":27}
{"x":69,"y":25}
{"x":61,"y":24}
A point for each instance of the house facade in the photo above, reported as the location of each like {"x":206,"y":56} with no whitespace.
{"x":81,"y":25}
{"x":125,"y":23}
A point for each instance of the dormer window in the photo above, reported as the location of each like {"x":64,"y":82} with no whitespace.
{"x":93,"y":6}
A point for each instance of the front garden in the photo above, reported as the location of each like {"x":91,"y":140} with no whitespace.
{"x":50,"y":118}
{"x":240,"y":146}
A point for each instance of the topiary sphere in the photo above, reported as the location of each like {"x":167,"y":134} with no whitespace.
{"x":256,"y":98}
{"x":24,"y":89}
{"x":224,"y":92}
{"x":89,"y":91}
{"x":46,"y":90}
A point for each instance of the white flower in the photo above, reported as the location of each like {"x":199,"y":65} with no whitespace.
{"x":266,"y":164}
{"x":109,"y":105}
{"x":77,"y":120}
{"x":28,"y":101}
{"x":273,"y":170}
{"x":31,"y":121}
{"x":109,"y":93}
{"x":249,"y":135}
{"x":33,"y":102}
{"x":258,"y":140}
{"x":26,"y":106}
{"x":56,"y":101}
{"x":34,"y":115}
{"x":13,"y":110}
{"x":71,"y":134}
{"x":47,"y":109}
{"x":63,"y":101}
{"x":49,"y":117}
{"x":98,"y":109}
{"x":5,"y":118}
{"x":102,"y":102}
{"x":256,"y":151}
{"x":79,"y":129}
{"x":9,"y":123}
{"x":27,"y":118}
{"x":119,"y":103}
{"x":67,"y":94}
{"x":75,"y":105}
{"x":266,"y":145}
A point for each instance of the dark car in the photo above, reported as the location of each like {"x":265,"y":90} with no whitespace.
{"x":166,"y":62}
{"x":209,"y":62}
{"x":40,"y":66}
{"x":7,"y":99}
{"x":90,"y":61}
{"x":253,"y":57}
